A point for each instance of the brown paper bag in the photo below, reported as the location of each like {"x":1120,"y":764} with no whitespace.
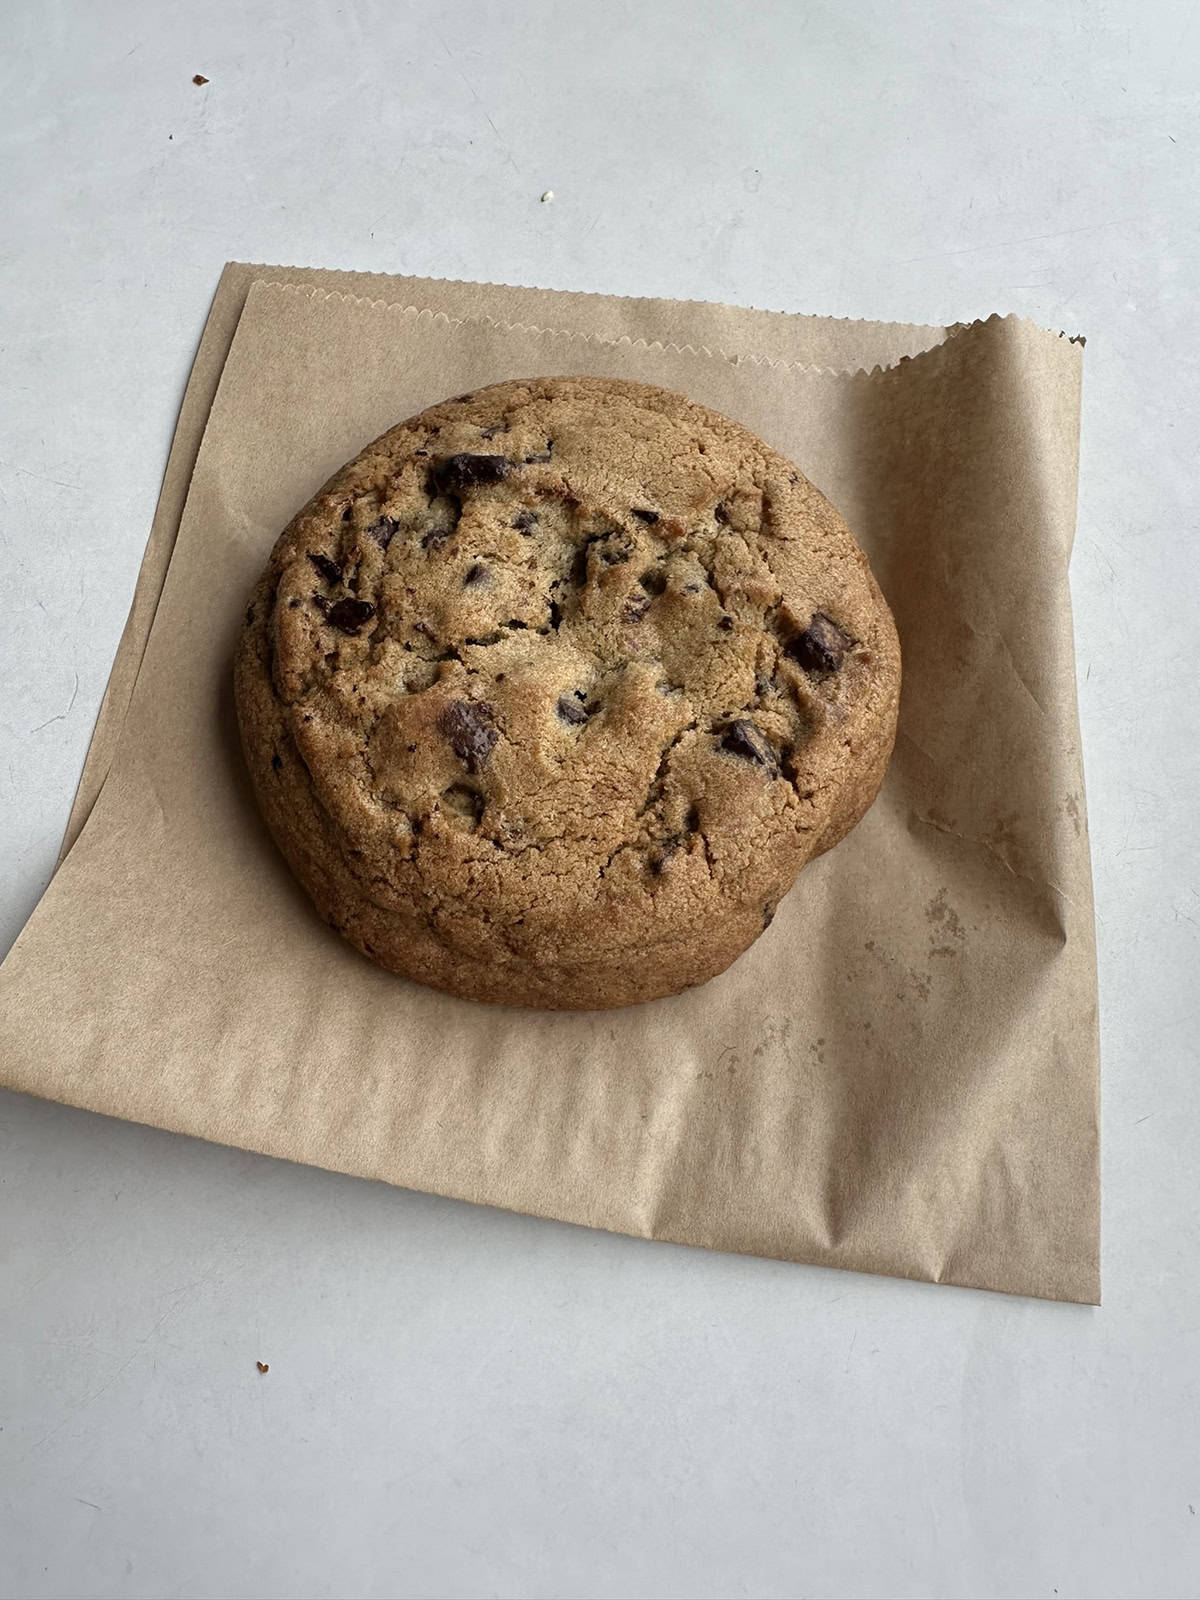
{"x":900,"y":1076}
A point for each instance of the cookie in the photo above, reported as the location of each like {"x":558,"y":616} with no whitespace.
{"x":548,"y":696}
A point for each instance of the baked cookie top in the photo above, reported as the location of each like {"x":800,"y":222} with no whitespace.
{"x":571,"y":665}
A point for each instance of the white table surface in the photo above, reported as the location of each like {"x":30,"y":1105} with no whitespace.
{"x":461,"y":1402}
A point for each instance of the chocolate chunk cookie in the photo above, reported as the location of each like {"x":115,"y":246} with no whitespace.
{"x":549,"y":695}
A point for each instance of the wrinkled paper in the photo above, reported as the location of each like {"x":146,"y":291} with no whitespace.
{"x":900,"y":1076}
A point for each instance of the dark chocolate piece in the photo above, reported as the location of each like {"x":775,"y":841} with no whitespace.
{"x":328,"y":569}
{"x":453,"y":474}
{"x":350,"y":616}
{"x":742,"y":738}
{"x":383,"y":531}
{"x":571,"y":711}
{"x":822,"y":645}
{"x":468,"y":725}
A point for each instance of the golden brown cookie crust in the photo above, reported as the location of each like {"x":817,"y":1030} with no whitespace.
{"x":548,"y":695}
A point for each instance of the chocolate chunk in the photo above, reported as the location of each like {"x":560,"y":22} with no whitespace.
{"x":636,"y":608}
{"x":570,"y":710}
{"x":821,"y":646}
{"x":721,"y":512}
{"x":650,"y":517}
{"x":328,"y":569}
{"x":725,"y":624}
{"x":743,"y":739}
{"x":453,"y":474}
{"x":277,"y":762}
{"x":476,"y":574}
{"x":200,"y":80}
{"x":468,"y":725}
{"x":541,"y":455}
{"x":350,"y":616}
{"x":525,"y":521}
{"x":383,"y":531}
{"x":555,"y":613}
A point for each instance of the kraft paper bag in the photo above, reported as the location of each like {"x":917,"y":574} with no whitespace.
{"x":900,"y":1076}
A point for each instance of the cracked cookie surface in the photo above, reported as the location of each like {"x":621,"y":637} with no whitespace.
{"x":551,"y":692}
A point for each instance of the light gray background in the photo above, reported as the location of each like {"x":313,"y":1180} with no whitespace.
{"x":462,"y":1402}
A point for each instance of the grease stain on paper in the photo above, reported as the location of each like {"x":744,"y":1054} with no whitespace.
{"x":947,"y":933}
